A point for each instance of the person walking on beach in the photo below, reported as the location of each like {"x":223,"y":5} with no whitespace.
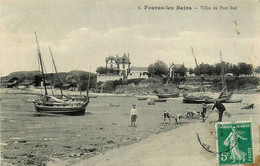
{"x":166,"y":114}
{"x":133,"y":115}
{"x":203,"y":113}
{"x":221,"y":108}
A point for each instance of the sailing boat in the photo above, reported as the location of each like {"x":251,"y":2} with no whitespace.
{"x":223,"y":97}
{"x":224,"y":94}
{"x":53,"y":105}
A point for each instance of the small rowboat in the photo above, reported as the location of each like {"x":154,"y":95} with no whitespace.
{"x":160,"y":100}
{"x":142,"y":98}
{"x":233,"y":101}
{"x":168,"y":95}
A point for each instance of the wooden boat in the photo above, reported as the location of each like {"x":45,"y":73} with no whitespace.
{"x":233,"y":101}
{"x":65,"y":109}
{"x":224,"y":95}
{"x":160,"y":100}
{"x":142,"y":98}
{"x":197,"y":100}
{"x":51,"y":104}
{"x":174,"y":95}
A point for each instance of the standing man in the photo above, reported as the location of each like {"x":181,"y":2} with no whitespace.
{"x":221,"y":108}
{"x":204,"y":110}
{"x":133,"y":114}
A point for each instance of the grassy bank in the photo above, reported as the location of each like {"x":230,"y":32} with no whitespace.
{"x":190,"y":84}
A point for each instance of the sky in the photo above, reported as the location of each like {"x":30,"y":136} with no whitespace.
{"x":82,"y":33}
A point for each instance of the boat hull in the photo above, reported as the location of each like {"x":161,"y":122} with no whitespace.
{"x":168,"y":96}
{"x":200,"y":101}
{"x":233,"y":101}
{"x":65,"y":110}
{"x":194,"y":101}
{"x":142,"y":98}
{"x":160,"y":100}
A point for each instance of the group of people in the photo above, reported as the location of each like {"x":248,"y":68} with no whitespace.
{"x":167,"y":115}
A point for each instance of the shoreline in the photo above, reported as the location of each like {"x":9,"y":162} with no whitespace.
{"x":35,"y":91}
{"x":105,"y":128}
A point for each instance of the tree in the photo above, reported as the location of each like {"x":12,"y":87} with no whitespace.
{"x":101,"y":70}
{"x":181,"y":71}
{"x":191,"y":71}
{"x":204,"y":69}
{"x":257,"y":69}
{"x":235,"y":70}
{"x":244,"y":68}
{"x":159,"y":68}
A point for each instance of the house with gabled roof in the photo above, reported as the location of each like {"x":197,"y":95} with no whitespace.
{"x":117,"y":68}
{"x":118,"y":65}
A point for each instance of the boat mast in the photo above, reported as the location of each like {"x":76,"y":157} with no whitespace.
{"x":223,"y":73}
{"x":201,"y":81}
{"x":88,"y":81}
{"x":56,"y":70}
{"x":40,"y":58}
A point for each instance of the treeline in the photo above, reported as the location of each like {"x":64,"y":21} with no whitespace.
{"x":160,"y":69}
{"x":235,"y":69}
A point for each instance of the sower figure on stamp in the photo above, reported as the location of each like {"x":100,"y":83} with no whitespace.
{"x":221,"y":108}
{"x":133,"y":115}
{"x":166,"y":114}
{"x":232,"y":142}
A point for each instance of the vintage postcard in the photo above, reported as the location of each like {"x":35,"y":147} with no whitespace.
{"x":130,"y":83}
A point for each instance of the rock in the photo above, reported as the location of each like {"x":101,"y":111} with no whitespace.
{"x":91,"y":149}
{"x":100,"y":128}
{"x":110,"y":142}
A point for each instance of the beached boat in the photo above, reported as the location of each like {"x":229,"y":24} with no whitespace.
{"x":171,"y":95}
{"x":142,"y":98}
{"x":224,"y":95}
{"x":197,"y":100}
{"x":233,"y":101}
{"x":53,"y":105}
{"x":65,"y":108}
{"x":160,"y":100}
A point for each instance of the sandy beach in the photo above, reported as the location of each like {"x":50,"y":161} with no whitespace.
{"x":103,"y":136}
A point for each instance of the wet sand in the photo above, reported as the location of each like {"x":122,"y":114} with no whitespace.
{"x":29,"y":138}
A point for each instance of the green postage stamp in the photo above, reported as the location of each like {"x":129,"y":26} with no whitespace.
{"x":234,"y":143}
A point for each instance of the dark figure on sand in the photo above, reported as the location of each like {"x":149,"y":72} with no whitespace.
{"x":133,"y":115}
{"x":251,"y":106}
{"x":166,"y":114}
{"x":221,"y":108}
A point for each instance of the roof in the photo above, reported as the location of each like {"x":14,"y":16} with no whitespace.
{"x":144,"y":69}
{"x":124,"y":58}
{"x":176,"y":65}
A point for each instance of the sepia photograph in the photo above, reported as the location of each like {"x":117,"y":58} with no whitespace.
{"x":129,"y":83}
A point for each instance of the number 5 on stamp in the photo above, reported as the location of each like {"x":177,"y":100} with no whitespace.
{"x":234,"y":143}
